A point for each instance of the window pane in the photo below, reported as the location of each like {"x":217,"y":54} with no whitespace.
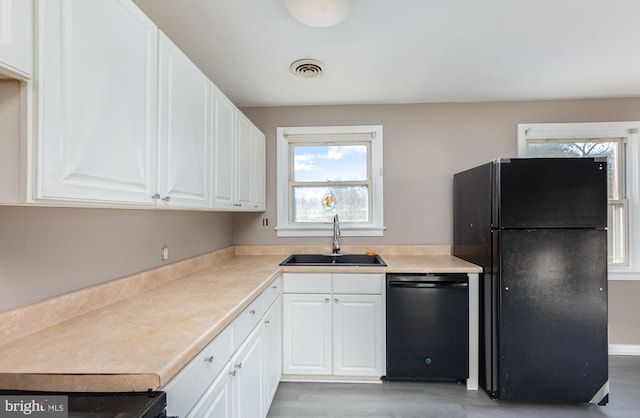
{"x":330,"y":163}
{"x":600,"y":148}
{"x":351,"y":203}
{"x":615,"y":237}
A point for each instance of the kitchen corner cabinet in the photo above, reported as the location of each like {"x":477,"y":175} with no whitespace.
{"x":184,"y":136}
{"x":239,"y":160}
{"x":16,"y":38}
{"x":333,"y":325}
{"x":97,"y":102}
{"x":236,"y":374}
{"x":250,"y":173}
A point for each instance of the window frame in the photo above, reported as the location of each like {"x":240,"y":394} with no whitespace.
{"x":373,"y":134}
{"x":631,"y":167}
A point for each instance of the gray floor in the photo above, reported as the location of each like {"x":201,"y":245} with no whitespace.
{"x":447,"y":400}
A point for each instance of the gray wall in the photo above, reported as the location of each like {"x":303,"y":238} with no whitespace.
{"x":48,"y":251}
{"x":424,"y":145}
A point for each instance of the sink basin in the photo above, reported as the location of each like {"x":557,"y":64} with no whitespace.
{"x":333,"y":260}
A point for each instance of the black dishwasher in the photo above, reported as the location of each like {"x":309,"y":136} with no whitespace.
{"x":427,"y":327}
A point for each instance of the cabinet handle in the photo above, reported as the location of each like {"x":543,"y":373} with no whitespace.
{"x":267,"y":322}
{"x":166,"y":198}
{"x":336,"y":300}
{"x":238,"y":366}
{"x":237,"y":205}
{"x":327,"y":300}
{"x":252,"y":311}
{"x":274,"y":287}
{"x":156,"y":196}
{"x":209,"y":359}
{"x":232,"y":373}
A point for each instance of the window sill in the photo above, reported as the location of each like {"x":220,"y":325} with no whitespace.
{"x":327,"y":231}
{"x":618,"y":275}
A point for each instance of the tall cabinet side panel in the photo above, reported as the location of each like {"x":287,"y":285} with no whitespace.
{"x":472,"y":215}
{"x":472,"y":242}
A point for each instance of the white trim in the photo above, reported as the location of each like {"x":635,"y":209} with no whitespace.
{"x":323,"y":231}
{"x":362,"y":132}
{"x":629,"y":130}
{"x":624,"y":349}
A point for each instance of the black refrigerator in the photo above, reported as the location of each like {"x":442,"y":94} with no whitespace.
{"x":538,"y":228}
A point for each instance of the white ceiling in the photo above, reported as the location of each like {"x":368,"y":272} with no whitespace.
{"x":412,"y":51}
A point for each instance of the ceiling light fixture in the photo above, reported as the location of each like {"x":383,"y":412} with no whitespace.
{"x":319,"y":13}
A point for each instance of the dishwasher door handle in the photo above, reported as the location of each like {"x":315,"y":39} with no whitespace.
{"x":425,"y":284}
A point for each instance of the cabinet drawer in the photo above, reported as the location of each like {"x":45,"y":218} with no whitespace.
{"x":271,"y":293}
{"x":193,"y":380}
{"x":246,"y":321}
{"x":306,"y":283}
{"x":366,"y":284}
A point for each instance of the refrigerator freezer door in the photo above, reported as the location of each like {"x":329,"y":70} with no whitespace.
{"x":551,"y":315}
{"x":550,"y":193}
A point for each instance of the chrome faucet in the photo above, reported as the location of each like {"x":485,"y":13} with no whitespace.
{"x":336,"y":234}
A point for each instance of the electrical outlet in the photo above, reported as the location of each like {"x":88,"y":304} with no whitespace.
{"x":165,"y":253}
{"x":265,"y":222}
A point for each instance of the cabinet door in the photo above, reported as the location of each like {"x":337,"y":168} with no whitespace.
{"x":272,"y":332}
{"x":307,"y":334}
{"x":16,"y":37}
{"x":97,"y":85}
{"x":258,"y":170}
{"x":184,"y":98}
{"x":248,"y":378}
{"x":243,"y":163}
{"x":357,"y":335}
{"x":224,"y":128}
{"x":218,"y":400}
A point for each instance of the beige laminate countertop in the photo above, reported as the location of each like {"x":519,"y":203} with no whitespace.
{"x":142,"y":341}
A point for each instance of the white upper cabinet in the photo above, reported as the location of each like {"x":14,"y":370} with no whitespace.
{"x":224,"y":131}
{"x":123,"y":118}
{"x":243,"y":163}
{"x":238,"y":178}
{"x":97,"y":102}
{"x":185,"y":115}
{"x":258,"y":170}
{"x":16,"y":38}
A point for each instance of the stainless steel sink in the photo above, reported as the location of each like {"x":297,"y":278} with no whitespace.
{"x":333,"y":260}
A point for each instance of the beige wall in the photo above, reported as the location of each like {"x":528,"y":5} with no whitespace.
{"x":49,"y":251}
{"x":424,"y":145}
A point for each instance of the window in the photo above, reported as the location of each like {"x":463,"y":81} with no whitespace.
{"x":618,"y":143}
{"x":324,"y":171}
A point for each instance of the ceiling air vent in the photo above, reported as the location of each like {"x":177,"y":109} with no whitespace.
{"x":308,"y":68}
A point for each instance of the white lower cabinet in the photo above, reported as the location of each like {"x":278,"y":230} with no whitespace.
{"x":218,"y":400}
{"x":333,"y":325}
{"x":247,"y":369}
{"x":272,"y":334}
{"x":237,"y":373}
{"x":357,"y":335}
{"x":307,"y":334}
